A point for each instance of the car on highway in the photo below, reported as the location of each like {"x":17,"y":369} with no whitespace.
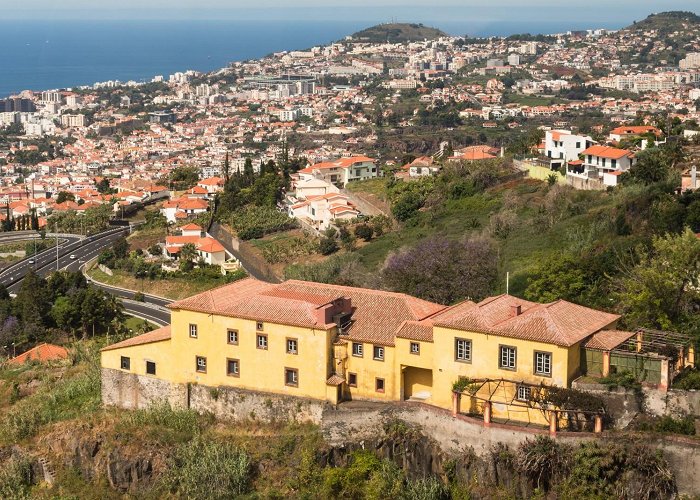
{"x":31,"y":261}
{"x":73,"y":256}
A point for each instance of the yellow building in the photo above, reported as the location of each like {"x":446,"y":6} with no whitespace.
{"x":333,"y":343}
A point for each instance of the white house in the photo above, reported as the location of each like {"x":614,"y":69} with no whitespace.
{"x":321,"y":211}
{"x":208,"y":249}
{"x":603,"y":163}
{"x":212,"y":184}
{"x":562,"y":146}
{"x":313,"y":187}
{"x":183,"y":208}
{"x":341,"y":171}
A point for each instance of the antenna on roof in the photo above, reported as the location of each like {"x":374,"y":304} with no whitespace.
{"x":507,"y":282}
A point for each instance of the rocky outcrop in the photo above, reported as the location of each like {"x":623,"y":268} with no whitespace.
{"x":128,"y":467}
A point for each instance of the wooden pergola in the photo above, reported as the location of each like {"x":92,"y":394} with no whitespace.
{"x":497,"y":391}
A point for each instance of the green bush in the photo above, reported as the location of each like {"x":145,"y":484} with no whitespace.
{"x":688,"y":379}
{"x":205,"y":469}
{"x":255,"y":222}
{"x":15,"y":479}
{"x":623,"y":379}
{"x":327,"y":246}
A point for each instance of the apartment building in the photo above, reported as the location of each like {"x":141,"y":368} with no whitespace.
{"x":72,"y":121}
{"x":333,"y":343}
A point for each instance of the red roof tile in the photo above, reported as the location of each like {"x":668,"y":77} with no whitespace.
{"x":157,"y":335}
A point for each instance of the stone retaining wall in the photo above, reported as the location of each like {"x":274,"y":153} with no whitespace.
{"x":131,"y":391}
{"x":232,"y":404}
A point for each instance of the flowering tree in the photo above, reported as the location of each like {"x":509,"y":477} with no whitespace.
{"x":443,"y":270}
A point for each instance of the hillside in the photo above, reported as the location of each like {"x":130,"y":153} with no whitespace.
{"x":667,"y":21}
{"x":397,"y":33}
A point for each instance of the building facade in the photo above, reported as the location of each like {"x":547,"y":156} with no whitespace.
{"x":333,"y":343}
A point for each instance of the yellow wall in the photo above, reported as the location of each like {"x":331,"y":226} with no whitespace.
{"x":158,"y":352}
{"x":484,"y":364}
{"x":433,"y":370}
{"x":368,"y":370}
{"x":261,"y":370}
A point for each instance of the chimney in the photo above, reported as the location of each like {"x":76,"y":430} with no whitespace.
{"x":694,"y":177}
{"x":515,"y":310}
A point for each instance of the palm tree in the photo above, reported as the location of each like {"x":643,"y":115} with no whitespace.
{"x":188,"y":253}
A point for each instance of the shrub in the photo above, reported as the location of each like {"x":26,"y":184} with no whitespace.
{"x":327,"y":246}
{"x":623,"y":379}
{"x":15,"y":479}
{"x":207,"y":469}
{"x":364,"y":231}
{"x":542,"y":460}
{"x":688,"y":379}
{"x":255,"y":222}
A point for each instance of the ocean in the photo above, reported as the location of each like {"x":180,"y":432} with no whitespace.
{"x":42,"y":55}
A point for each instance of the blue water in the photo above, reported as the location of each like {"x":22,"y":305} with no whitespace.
{"x":45,"y":55}
{"x":40,"y":55}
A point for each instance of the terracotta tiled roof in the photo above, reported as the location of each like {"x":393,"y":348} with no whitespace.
{"x":376,"y":315}
{"x":606,"y":152}
{"x":42,"y":353}
{"x":416,"y":330}
{"x":561,"y":323}
{"x":606,"y":340}
{"x":335,"y":380}
{"x":147,"y":338}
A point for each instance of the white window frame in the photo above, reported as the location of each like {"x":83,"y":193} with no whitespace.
{"x":295,"y":350}
{"x":358,"y":349}
{"x":524,"y":393}
{"x":378,"y":352}
{"x":193,"y":331}
{"x":201,"y":363}
{"x":543,"y":359}
{"x":261,"y":345}
{"x":509,"y":354}
{"x":228,"y":336}
{"x":463,"y":350}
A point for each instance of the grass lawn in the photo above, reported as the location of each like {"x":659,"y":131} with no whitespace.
{"x":144,"y":238}
{"x":172,"y":288}
{"x":135,"y":324}
{"x":377,"y":187}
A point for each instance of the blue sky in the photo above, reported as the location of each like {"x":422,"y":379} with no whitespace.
{"x":592,"y":12}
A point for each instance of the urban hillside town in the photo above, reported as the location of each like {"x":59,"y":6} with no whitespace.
{"x":404,"y":264}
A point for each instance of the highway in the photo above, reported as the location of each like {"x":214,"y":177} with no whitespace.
{"x":85,"y":249}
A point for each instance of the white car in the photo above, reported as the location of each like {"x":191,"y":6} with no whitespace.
{"x":73,"y":257}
